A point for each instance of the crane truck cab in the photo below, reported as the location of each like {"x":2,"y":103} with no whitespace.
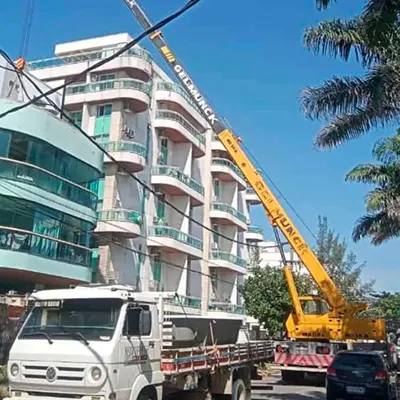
{"x":93,"y":343}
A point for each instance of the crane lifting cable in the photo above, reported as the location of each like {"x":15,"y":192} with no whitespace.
{"x":26,"y":34}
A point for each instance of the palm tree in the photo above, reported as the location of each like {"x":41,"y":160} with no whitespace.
{"x":382,"y":204}
{"x":354,"y":105}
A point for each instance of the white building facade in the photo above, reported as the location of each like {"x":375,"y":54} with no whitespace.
{"x":152,"y":128}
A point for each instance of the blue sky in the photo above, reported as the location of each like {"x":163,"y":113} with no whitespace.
{"x":250,"y":62}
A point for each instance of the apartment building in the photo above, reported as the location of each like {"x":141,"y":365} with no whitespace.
{"x":49,"y":175}
{"x":152,"y":128}
{"x":270,"y":256}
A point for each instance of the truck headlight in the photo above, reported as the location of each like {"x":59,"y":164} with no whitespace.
{"x":14,"y":369}
{"x":96,"y":373}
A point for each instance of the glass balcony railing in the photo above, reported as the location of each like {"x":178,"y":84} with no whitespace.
{"x":35,"y":176}
{"x":225,"y":307}
{"x":125,"y":145}
{"x":39,"y":245}
{"x":120,"y":215}
{"x":182,"y":177}
{"x":166,"y":231}
{"x":173,"y":87}
{"x":224,"y":256}
{"x":228,"y":209}
{"x":184,"y":301}
{"x":86,"y":57}
{"x":227,"y":163}
{"x":255,"y":229}
{"x":109,"y":85}
{"x":174,"y":116}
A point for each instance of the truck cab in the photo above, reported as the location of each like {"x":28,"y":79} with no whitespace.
{"x":101,"y":343}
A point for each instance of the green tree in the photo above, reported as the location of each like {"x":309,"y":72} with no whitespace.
{"x":266,"y":296}
{"x":382,"y":204}
{"x":387,"y":305}
{"x":341,"y":264}
{"x":354,"y":105}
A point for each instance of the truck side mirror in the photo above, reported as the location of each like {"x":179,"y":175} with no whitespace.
{"x":145,"y":323}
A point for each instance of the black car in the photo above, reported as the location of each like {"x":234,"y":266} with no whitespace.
{"x":361,"y":375}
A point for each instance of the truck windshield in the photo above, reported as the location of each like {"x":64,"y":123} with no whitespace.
{"x":74,"y":319}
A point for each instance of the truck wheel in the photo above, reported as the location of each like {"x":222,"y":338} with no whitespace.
{"x":239,"y":390}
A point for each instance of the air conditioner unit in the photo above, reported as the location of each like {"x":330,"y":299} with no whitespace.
{"x":248,"y":221}
{"x":214,"y":246}
{"x":94,"y":78}
{"x":155,"y":219}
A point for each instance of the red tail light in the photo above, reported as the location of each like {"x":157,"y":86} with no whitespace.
{"x":331,"y":371}
{"x":381,"y":375}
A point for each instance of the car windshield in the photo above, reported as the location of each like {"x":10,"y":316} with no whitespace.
{"x":357,"y":361}
{"x":73,"y":319}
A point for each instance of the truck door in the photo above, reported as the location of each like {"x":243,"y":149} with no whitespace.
{"x":137,"y":350}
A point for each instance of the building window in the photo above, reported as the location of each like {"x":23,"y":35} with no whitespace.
{"x":163,"y":158}
{"x":76,"y":116}
{"x":4,"y":143}
{"x":107,"y":77}
{"x":217,"y":191}
{"x":103,"y":120}
{"x":215,"y":235}
{"x":161,"y":207}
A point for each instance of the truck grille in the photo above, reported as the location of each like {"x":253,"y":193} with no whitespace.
{"x":54,"y":373}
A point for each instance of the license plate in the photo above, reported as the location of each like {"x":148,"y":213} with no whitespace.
{"x":355,"y":390}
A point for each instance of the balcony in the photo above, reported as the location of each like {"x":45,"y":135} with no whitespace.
{"x":37,"y":258}
{"x":226,"y":170}
{"x":227,"y":215}
{"x":29,"y":174}
{"x":180,"y":304}
{"x":130,"y":154}
{"x":179,"y":130}
{"x":251,"y":196}
{"x":217,"y":307}
{"x":136,"y":93}
{"x":172,"y":240}
{"x":124,"y":223}
{"x":176,"y":183}
{"x":169,"y":91}
{"x":254,"y":234}
{"x":135,"y":61}
{"x":229,"y":261}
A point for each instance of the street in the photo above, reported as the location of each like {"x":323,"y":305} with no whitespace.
{"x":286,"y":392}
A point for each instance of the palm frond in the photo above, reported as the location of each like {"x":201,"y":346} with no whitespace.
{"x":336,"y":96}
{"x":379,"y":199}
{"x":379,"y":227}
{"x":324,"y":4}
{"x":347,"y":127}
{"x":387,"y":150}
{"x":379,"y":87}
{"x":369,"y":173}
{"x":338,"y":38}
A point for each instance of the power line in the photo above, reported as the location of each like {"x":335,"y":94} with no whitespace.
{"x":143,"y":184}
{"x":129,"y":45}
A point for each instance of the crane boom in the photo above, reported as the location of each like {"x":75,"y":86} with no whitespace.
{"x":338,"y":322}
{"x":274,"y":210}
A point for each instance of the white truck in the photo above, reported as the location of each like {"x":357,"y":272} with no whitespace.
{"x":106,"y":343}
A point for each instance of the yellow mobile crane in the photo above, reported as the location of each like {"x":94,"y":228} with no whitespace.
{"x":314,"y":320}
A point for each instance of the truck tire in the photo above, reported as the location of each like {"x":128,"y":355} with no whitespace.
{"x":239,"y":390}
